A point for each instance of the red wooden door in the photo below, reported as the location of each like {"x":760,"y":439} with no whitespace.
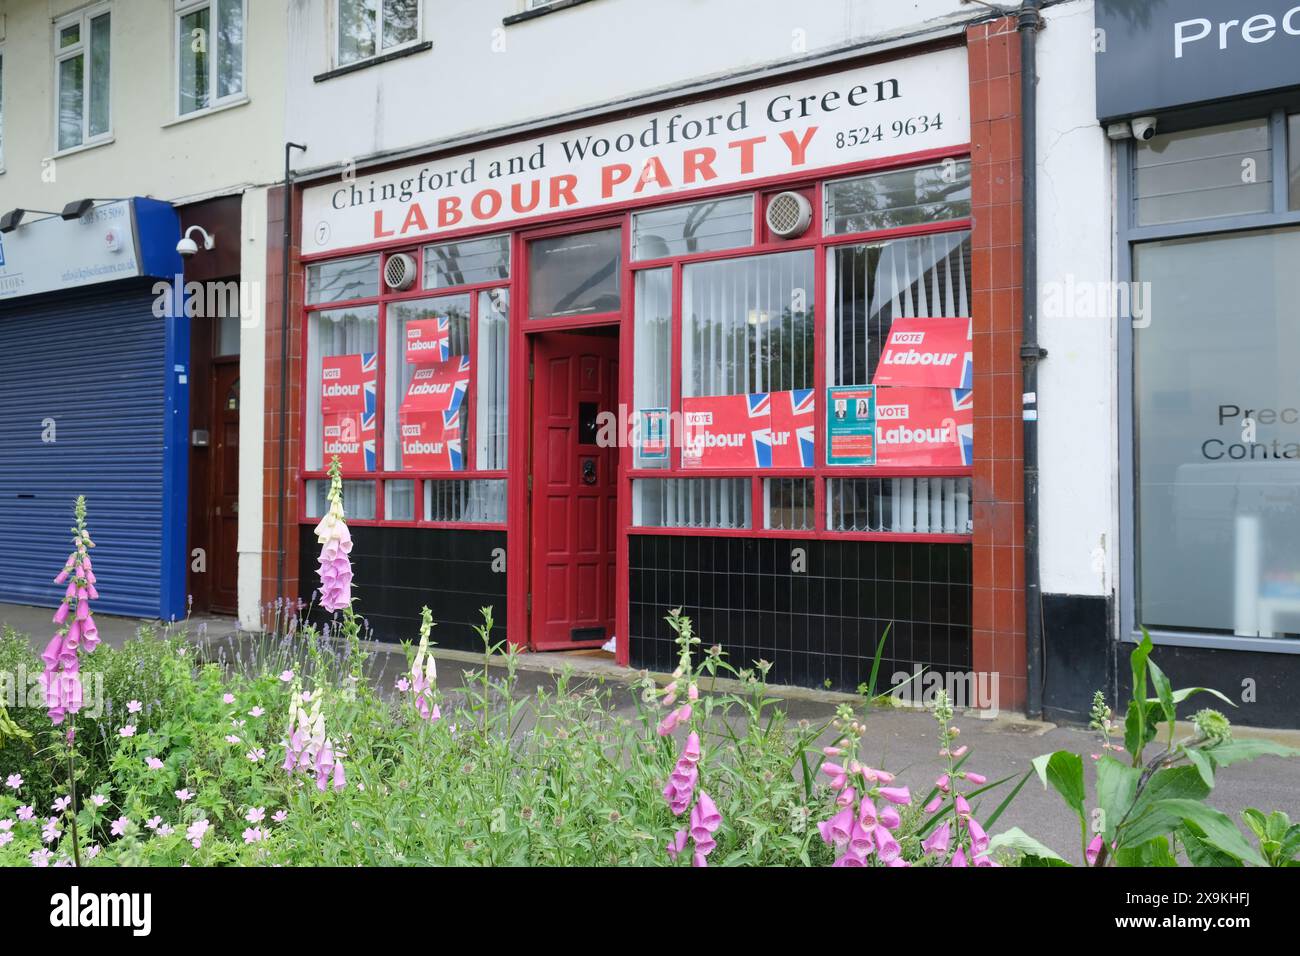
{"x":224,"y":560}
{"x":574,"y":490}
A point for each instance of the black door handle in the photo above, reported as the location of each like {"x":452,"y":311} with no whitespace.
{"x":589,"y":471}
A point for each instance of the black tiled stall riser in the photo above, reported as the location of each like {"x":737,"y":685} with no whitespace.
{"x":818,"y":625}
{"x":399,"y":570}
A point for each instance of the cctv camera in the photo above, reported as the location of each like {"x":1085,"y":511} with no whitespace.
{"x":188,"y":247}
{"x":1144,"y":127}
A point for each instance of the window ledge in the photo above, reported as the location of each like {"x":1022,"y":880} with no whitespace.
{"x":541,"y":11}
{"x":373,"y":61}
{"x":208,"y":111}
{"x":74,"y":150}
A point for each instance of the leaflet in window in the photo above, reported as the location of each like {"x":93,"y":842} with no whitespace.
{"x":347,"y":404}
{"x":727,"y":431}
{"x":925,"y":427}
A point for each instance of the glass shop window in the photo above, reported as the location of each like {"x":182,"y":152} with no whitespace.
{"x":1217,"y":441}
{"x":575,"y":275}
{"x":428,"y":379}
{"x":697,"y":227}
{"x":1293,"y":152}
{"x":652,"y":354}
{"x":1204,"y":174}
{"x":342,"y":375}
{"x":906,"y":197}
{"x":342,"y":280}
{"x":467,"y":262}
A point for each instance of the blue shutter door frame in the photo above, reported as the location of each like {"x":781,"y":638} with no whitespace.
{"x":113,"y":378}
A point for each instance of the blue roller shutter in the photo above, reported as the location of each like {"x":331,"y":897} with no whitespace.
{"x":94,"y":362}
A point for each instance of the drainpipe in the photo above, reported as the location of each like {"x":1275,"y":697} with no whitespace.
{"x":284,"y":372}
{"x":1030,"y":21}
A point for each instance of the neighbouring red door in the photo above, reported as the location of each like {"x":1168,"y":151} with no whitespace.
{"x":224,"y":560}
{"x":574,"y":490}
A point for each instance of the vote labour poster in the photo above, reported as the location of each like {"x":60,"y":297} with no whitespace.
{"x":431,"y":440}
{"x":792,"y":428}
{"x":347,"y":403}
{"x":350,"y":436}
{"x":440,"y":387}
{"x":428,"y":341}
{"x":727,"y":431}
{"x":924,"y":427}
{"x":927,"y":353}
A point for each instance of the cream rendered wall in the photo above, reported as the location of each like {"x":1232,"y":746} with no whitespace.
{"x":236,"y":150}
{"x":482,"y":75}
{"x":1078,"y":432}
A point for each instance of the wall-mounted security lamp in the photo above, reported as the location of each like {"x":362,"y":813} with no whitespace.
{"x":188,"y":247}
{"x":14,"y":217}
{"x":76,"y":209}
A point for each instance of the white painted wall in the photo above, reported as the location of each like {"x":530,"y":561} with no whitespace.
{"x":232,"y":151}
{"x":481,"y":75}
{"x":1077,"y":382}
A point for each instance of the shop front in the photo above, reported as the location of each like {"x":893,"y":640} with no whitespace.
{"x":724,"y":355}
{"x":94,"y":402}
{"x":1206,"y":114}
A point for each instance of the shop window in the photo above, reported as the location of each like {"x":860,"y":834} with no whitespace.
{"x":368,"y":28}
{"x":875,"y":283}
{"x":652,"y":354}
{"x":492,"y":384}
{"x":358,"y":499}
{"x":940,"y":192}
{"x":1204,"y":174}
{"x":1218,"y":435}
{"x":399,"y":500}
{"x":717,"y":503}
{"x":342,"y":375}
{"x":899,"y":505}
{"x":428,"y":375}
{"x":697,"y":227}
{"x":342,"y":280}
{"x":210,"y":52}
{"x":788,"y":504}
{"x":1293,"y":151}
{"x":467,"y":262}
{"x":747,"y":326}
{"x":81,"y":74}
{"x":467,"y":501}
{"x":575,"y":275}
{"x":2,"y":107}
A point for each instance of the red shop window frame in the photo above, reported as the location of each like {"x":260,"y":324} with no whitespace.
{"x":383,"y":475}
{"x":818,"y":474}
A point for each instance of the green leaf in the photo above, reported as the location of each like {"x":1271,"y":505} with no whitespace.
{"x":1186,"y":692}
{"x":1203,"y":764}
{"x":1164,"y":691}
{"x":1146,"y":820}
{"x":1235,"y":751}
{"x":1154,"y":852}
{"x":1018,"y":839}
{"x":993,"y":817}
{"x":1199,"y":850}
{"x":1257,"y":822}
{"x":1218,"y":830}
{"x":1064,"y":771}
{"x":1116,"y":790}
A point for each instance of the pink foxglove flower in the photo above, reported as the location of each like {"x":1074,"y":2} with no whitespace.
{"x":1094,"y":850}
{"x":308,"y":748}
{"x":899,"y":795}
{"x":937,"y":843}
{"x":61,"y":678}
{"x":336,"y":544}
{"x":424,"y":672}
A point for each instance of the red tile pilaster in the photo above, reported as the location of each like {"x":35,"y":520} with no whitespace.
{"x":275,"y":373}
{"x":998,"y":611}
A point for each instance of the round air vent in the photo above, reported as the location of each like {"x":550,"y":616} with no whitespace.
{"x":399,"y":272}
{"x":789,"y":215}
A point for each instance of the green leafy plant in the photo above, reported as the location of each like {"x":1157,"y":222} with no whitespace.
{"x":1148,"y":809}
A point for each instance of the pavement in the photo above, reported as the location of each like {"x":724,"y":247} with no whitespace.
{"x":903,"y":740}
